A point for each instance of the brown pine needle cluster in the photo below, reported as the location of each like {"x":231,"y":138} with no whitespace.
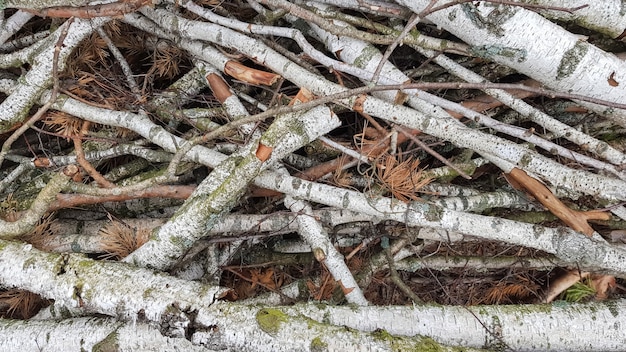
{"x":342,"y":178}
{"x":95,"y":88}
{"x":403,"y":179}
{"x":20,"y":304}
{"x":507,"y":292}
{"x":118,"y":240}
{"x":166,"y":60}
{"x":92,"y":51}
{"x":64,"y":124}
{"x":324,"y":291}
{"x":247,"y":282}
{"x":40,"y":236}
{"x":126,"y":38}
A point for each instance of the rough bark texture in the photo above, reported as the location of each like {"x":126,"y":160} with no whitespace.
{"x":258,"y":142}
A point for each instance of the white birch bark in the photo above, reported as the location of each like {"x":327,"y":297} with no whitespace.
{"x":108,"y":288}
{"x":227,"y":226}
{"x":176,"y":305}
{"x":559,"y":129}
{"x":292,"y":33}
{"x":39,"y":4}
{"x":23,"y":42}
{"x":131,"y":293}
{"x":13,"y":24}
{"x":39,"y":77}
{"x":577,"y":181}
{"x":506,"y":154}
{"x":128,"y":293}
{"x":312,"y":232}
{"x":220,"y":191}
{"x":372,"y":6}
{"x":524,"y":40}
{"x":366,"y":56}
{"x":551,"y":240}
{"x":519,"y":233}
{"x":480,"y":264}
{"x":78,"y":334}
{"x":607,"y":17}
{"x":39,"y":206}
{"x":563,"y":327}
{"x":482,"y":202}
{"x":279,"y":330}
{"x":568,"y":245}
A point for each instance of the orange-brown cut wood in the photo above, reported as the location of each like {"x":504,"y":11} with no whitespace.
{"x":220,"y":88}
{"x":91,"y":11}
{"x":577,"y":220}
{"x":249,"y":75}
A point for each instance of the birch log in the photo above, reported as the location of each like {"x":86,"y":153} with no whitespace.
{"x":607,"y":17}
{"x":87,"y":334}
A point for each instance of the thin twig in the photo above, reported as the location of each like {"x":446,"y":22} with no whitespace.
{"x":431,"y":151}
{"x":128,"y":73}
{"x":397,"y":280}
{"x":412,"y":23}
{"x":80,"y":158}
